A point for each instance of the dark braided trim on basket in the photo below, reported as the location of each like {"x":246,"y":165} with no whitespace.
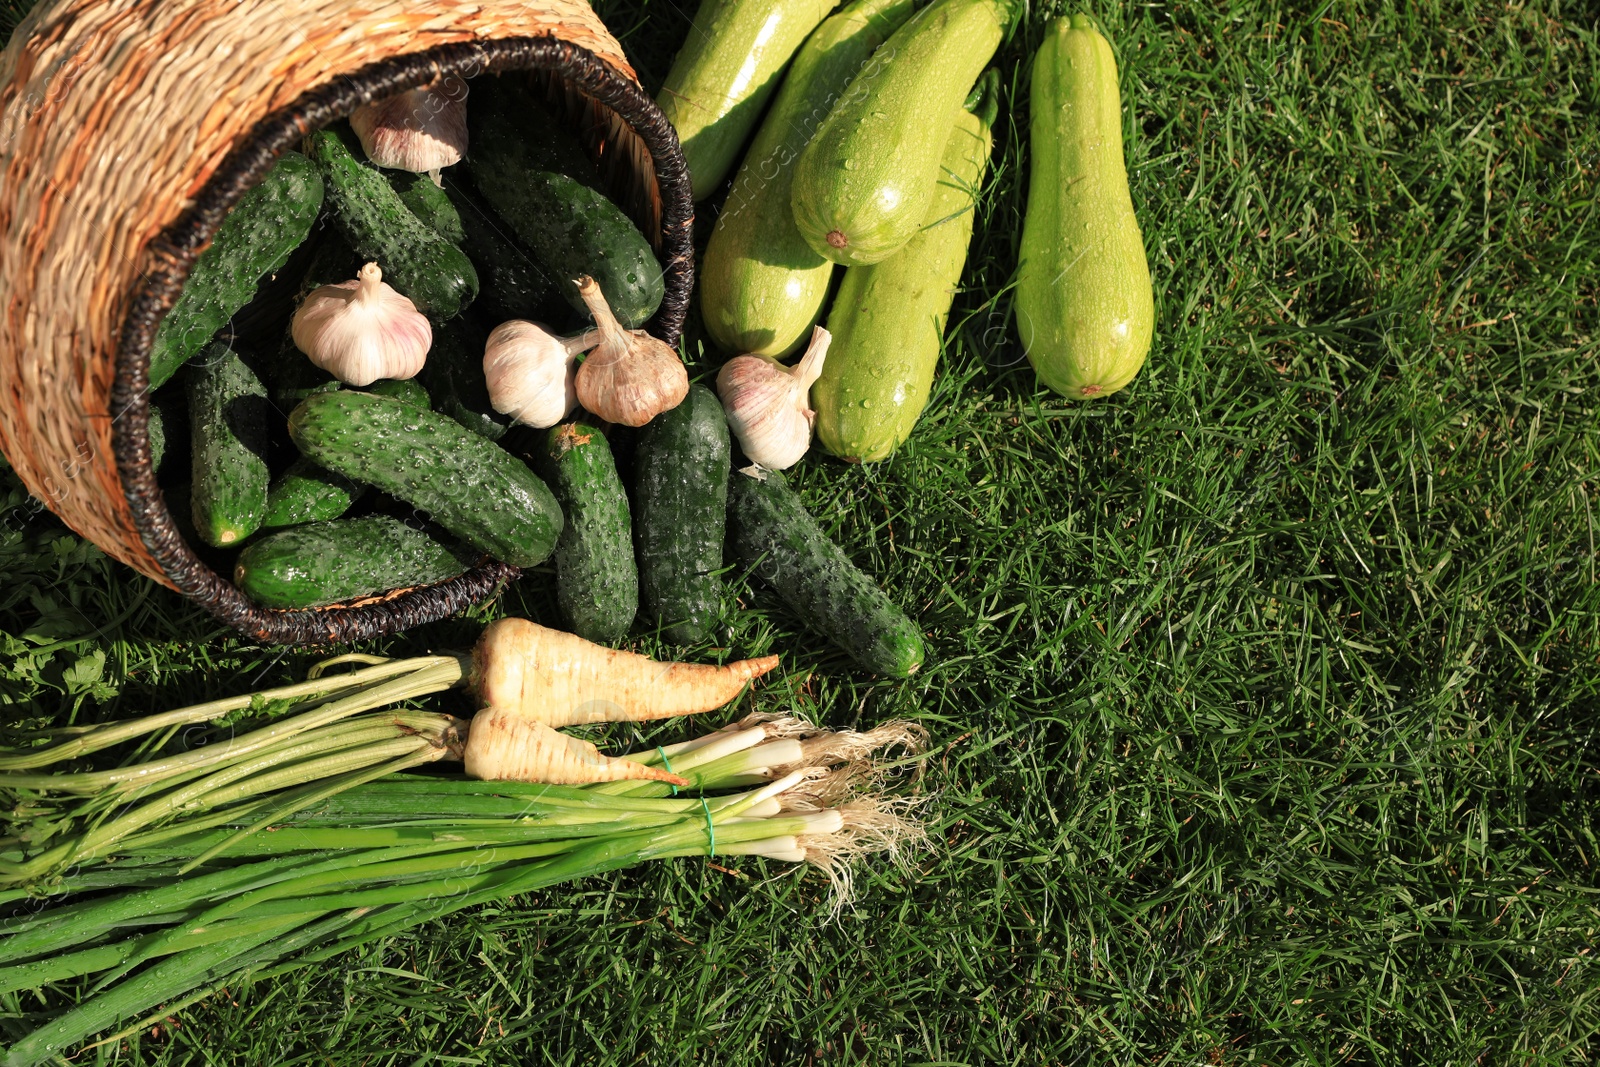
{"x":173,"y":254}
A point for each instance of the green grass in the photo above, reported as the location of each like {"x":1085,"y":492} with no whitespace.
{"x":1265,"y":693}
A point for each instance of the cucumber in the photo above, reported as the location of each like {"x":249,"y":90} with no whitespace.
{"x":780,"y":541}
{"x":454,"y":375}
{"x":475,"y":490}
{"x":888,"y":318}
{"x":537,"y":177}
{"x":1084,"y":305}
{"x":429,"y":203}
{"x":435,"y":274}
{"x":326,"y":562}
{"x":406,"y":390}
{"x":863,"y":184}
{"x":513,"y":284}
{"x":762,"y":286}
{"x":722,"y":76}
{"x":597,"y":582}
{"x":228,"y":420}
{"x":267,"y":224}
{"x":308,"y":493}
{"x":680,"y":516}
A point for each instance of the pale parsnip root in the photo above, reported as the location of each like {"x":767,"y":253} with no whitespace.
{"x":504,"y":746}
{"x":560,"y":679}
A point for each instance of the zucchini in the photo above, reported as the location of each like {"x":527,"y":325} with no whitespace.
{"x":228,"y":420}
{"x":680,"y":515}
{"x":762,"y":286}
{"x":863,"y":184}
{"x":722,"y":76}
{"x":327,"y":562}
{"x":888,"y":318}
{"x":435,"y":274}
{"x":468,"y":485}
{"x":597,"y":582}
{"x":513,"y":284}
{"x":267,"y":224}
{"x":454,"y":375}
{"x":1084,"y":306}
{"x":308,"y":493}
{"x":429,"y":202}
{"x":537,"y":178}
{"x":780,"y":541}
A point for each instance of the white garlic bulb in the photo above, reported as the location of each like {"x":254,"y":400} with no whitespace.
{"x":532,"y":373}
{"x":630,"y":377}
{"x":769,"y":405}
{"x":362,"y":330}
{"x":420,"y":130}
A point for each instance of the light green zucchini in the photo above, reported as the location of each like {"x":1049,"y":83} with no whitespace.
{"x":1083,"y":301}
{"x":724,"y":74}
{"x":888,"y":318}
{"x":762,"y":286}
{"x":863,"y":184}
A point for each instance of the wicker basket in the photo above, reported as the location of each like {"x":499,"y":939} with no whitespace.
{"x":129,"y":128}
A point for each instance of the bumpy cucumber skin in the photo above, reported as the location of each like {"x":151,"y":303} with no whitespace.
{"x":326,"y":562}
{"x":308,"y":493}
{"x":863,"y":184}
{"x":888,"y":318}
{"x":762,"y":287}
{"x":228,"y":419}
{"x":570,"y":227}
{"x":407,"y":391}
{"x":258,"y":236}
{"x":680,"y":516}
{"x":1084,"y":304}
{"x":597,"y":581}
{"x":774,"y":534}
{"x":721,"y":78}
{"x":454,"y":375}
{"x":468,"y":485}
{"x":514,"y":285}
{"x":415,"y":259}
{"x":429,"y":203}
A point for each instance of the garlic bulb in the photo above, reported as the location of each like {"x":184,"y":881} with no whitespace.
{"x":362,"y":330}
{"x":769,"y":405}
{"x":630,"y":377}
{"x":532,"y":373}
{"x":420,"y":130}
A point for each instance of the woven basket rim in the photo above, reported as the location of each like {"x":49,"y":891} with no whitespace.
{"x":173,"y":253}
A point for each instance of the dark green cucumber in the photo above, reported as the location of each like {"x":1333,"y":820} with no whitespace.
{"x":680,"y":512}
{"x":269,"y":222}
{"x":327,"y":562}
{"x":513,"y":283}
{"x":228,"y":420}
{"x":416,"y":261}
{"x":429,"y":203}
{"x":597,"y":582}
{"x":454,"y":375}
{"x":468,"y":485}
{"x":406,"y":390}
{"x":775,"y":535}
{"x":536,"y":177}
{"x":308,"y":493}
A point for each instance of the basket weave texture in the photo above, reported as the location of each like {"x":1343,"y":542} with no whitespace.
{"x":129,"y":127}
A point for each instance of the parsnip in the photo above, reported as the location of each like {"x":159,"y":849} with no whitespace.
{"x":560,"y":679}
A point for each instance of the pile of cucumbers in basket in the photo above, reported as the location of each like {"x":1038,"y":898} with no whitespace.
{"x":373,"y":401}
